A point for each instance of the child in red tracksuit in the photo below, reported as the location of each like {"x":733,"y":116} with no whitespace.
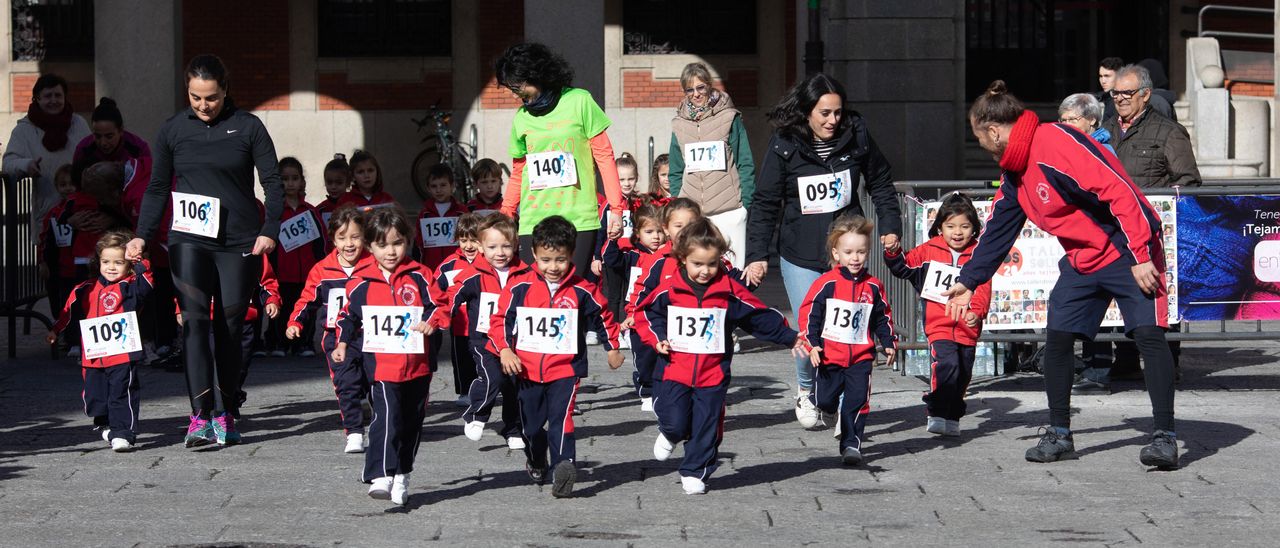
{"x":438,"y":218}
{"x":841,"y":317}
{"x":367,"y":190}
{"x":464,"y":365}
{"x":58,"y":266}
{"x":337,"y":181}
{"x":689,"y":320}
{"x":389,"y":300}
{"x":474,"y":296}
{"x":625,"y":255}
{"x":931,"y":268}
{"x":302,"y":245}
{"x":487,"y":177}
{"x":539,"y":333}
{"x":323,"y":296}
{"x":105,"y":310}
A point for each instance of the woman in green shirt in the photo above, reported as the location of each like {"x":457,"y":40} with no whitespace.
{"x":558,"y":142}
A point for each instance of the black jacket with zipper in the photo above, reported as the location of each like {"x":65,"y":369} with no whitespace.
{"x":777,"y":196}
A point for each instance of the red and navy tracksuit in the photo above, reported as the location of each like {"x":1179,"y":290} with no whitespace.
{"x":480,"y":281}
{"x":350,"y":384}
{"x":355,"y":199}
{"x":464,"y":364}
{"x":292,"y":269}
{"x":68,"y":264}
{"x":401,"y":382}
{"x":625,"y":256}
{"x":110,"y":382}
{"x":325,"y":208}
{"x":951,"y":343}
{"x":689,"y":396}
{"x":434,"y":256}
{"x":476,"y":205}
{"x":1070,"y":186}
{"x":846,"y":368}
{"x":548,"y":383}
{"x":615,"y":278}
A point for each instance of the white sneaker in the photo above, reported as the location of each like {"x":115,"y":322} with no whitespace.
{"x":73,"y":352}
{"x":592,"y":338}
{"x":646,"y":404}
{"x":355,"y":443}
{"x":806,"y":413}
{"x":121,"y":445}
{"x":662,"y":448}
{"x":381,"y":488}
{"x":693,"y":486}
{"x":624,"y":342}
{"x":106,"y":434}
{"x":463,"y":401}
{"x":953,"y":428}
{"x":737,"y":347}
{"x":515,"y":443}
{"x":937,"y":425}
{"x":400,"y":489}
{"x":474,"y":430}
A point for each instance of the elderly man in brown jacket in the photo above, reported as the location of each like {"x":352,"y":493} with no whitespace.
{"x":1155,"y":150}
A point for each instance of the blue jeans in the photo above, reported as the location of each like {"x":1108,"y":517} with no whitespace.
{"x":798,"y":280}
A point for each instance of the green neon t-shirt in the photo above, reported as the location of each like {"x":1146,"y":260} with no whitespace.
{"x":568,"y":128}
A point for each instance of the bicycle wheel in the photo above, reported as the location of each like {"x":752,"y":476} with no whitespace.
{"x":422,"y":164}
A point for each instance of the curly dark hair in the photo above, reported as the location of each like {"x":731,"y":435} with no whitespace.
{"x":535,"y":64}
{"x":555,"y":233}
{"x":791,"y":115}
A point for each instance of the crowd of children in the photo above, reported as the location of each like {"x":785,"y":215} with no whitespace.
{"x":382,"y":292}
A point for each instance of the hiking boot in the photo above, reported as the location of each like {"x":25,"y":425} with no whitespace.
{"x":1055,"y":444}
{"x":1162,"y":452}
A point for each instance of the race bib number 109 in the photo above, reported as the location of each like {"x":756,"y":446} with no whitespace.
{"x":110,"y":335}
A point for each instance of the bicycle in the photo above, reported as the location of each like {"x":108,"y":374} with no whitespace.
{"x":442,"y":147}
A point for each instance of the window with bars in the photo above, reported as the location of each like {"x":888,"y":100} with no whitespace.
{"x":52,"y":30}
{"x":384,"y":28}
{"x":701,"y":27}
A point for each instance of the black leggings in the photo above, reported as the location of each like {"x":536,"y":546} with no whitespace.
{"x":583,"y":250}
{"x":203,"y":277}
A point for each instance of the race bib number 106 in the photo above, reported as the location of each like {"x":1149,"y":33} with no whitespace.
{"x":196,"y":214}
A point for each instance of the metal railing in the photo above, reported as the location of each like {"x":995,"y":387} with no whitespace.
{"x":1232,"y":34}
{"x":22,"y":287}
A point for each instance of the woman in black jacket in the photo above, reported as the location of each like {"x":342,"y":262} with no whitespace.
{"x":217,"y":236}
{"x":809,"y":176}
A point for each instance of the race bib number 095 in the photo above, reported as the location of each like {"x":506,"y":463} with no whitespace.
{"x":110,"y":335}
{"x":437,"y":231}
{"x":547,"y":330}
{"x":196,"y":214}
{"x":846,"y":322}
{"x":387,"y":329}
{"x":551,"y":170}
{"x":825,"y":193}
{"x":937,"y":281}
{"x":298,"y":231}
{"x":696,"y":330}
{"x":704,"y":156}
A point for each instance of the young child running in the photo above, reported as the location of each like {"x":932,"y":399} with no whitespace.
{"x":689,"y":320}
{"x":473,"y":298}
{"x":487,"y":176}
{"x":841,"y":317}
{"x":550,"y":306}
{"x":467,"y":230}
{"x":105,"y":310}
{"x":367,"y":193}
{"x":931,"y":268}
{"x":389,"y":301}
{"x":625,"y":255}
{"x":326,"y":292}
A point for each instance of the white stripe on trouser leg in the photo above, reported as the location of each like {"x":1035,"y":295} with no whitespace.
{"x":488,"y":382}
{"x":128,"y":394}
{"x":568,"y":415}
{"x":386,"y":427}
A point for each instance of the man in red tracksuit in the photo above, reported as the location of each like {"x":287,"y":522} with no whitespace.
{"x":1075,"y":189}
{"x":540,"y":334}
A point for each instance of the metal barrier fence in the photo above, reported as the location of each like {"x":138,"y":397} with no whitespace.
{"x":906,"y":302}
{"x":22,"y":287}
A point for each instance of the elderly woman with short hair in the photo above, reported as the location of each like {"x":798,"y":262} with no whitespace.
{"x":1083,"y":111}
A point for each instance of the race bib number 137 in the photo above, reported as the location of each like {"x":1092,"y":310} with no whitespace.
{"x":696,"y":330}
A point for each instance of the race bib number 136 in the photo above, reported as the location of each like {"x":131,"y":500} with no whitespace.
{"x":846,"y":322}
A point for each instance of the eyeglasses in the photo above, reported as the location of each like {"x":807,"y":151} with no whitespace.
{"x":1070,"y":119}
{"x":1126,"y":93}
{"x":700,"y":89}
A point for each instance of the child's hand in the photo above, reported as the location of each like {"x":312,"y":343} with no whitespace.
{"x":272,"y":310}
{"x":615,"y":359}
{"x":971,"y":319}
{"x":797,"y":349}
{"x":595,"y":267}
{"x":292,"y":332}
{"x":510,"y":362}
{"x":53,"y":338}
{"x":424,"y":327}
{"x":340,"y":353}
{"x":663,"y":348}
{"x":627,"y":324}
{"x":815,"y":356}
{"x":890,"y":354}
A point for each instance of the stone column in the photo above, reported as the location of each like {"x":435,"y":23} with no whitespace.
{"x":575,"y":30}
{"x":137,"y":45}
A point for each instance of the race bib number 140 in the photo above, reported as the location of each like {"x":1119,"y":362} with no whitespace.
{"x":551,"y":170}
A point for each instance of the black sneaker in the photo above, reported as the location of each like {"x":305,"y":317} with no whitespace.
{"x":1162,"y":452}
{"x":1089,"y":386}
{"x":562,"y":479}
{"x":851,"y":456}
{"x":1052,"y":447}
{"x":536,"y":473}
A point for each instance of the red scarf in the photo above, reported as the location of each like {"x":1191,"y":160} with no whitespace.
{"x":55,"y":126}
{"x":1018,"y":152}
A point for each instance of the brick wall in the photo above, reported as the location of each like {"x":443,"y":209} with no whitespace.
{"x":641,"y":90}
{"x":501,"y":24}
{"x":81,"y":94}
{"x":1251,"y":89}
{"x":252,"y":38}
{"x":336,"y":93}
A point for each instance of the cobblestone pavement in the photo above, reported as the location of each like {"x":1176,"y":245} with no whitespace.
{"x":290,"y":484}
